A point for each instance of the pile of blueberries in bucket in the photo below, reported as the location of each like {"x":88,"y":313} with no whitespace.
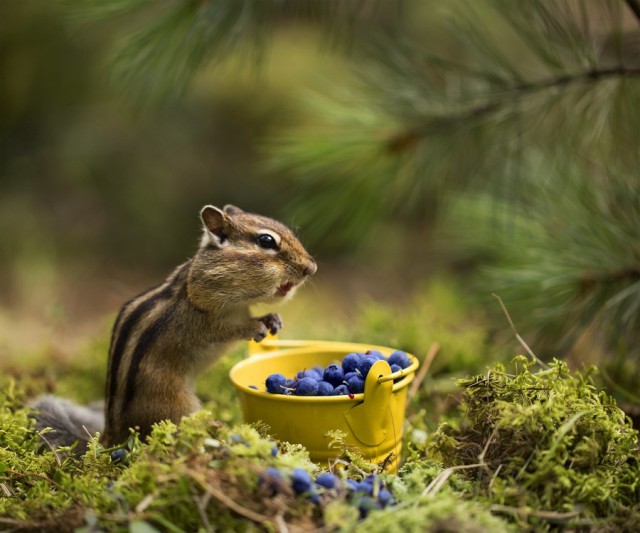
{"x":367,"y":495}
{"x":339,"y":379}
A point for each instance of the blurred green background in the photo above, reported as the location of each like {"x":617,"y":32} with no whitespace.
{"x":428,"y":153}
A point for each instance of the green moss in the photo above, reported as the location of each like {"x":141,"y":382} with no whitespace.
{"x":550,"y":445}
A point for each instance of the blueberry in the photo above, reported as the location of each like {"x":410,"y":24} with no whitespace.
{"x":309,"y":373}
{"x":274,"y":450}
{"x":118,"y":456}
{"x":385,"y":498}
{"x":273,"y":479}
{"x":366,"y":487}
{"x":375,"y":354}
{"x":319,"y":370}
{"x":275,"y":383}
{"x":334,"y":375}
{"x":395,"y":368}
{"x":352,"y":484}
{"x":365,"y":365}
{"x":341,"y":390}
{"x":291,"y":383}
{"x":366,"y":505}
{"x":356,"y":384}
{"x":327,"y":480}
{"x":325,"y":389}
{"x":301,"y":481}
{"x":235,"y":438}
{"x":350,"y":362}
{"x":314,"y":498}
{"x":349,"y":375}
{"x":307,"y":387}
{"x":399,"y":358}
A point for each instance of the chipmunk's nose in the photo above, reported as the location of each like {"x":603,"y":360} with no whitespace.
{"x":310,"y":268}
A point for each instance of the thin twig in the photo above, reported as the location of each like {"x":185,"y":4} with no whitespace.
{"x":201,"y":505}
{"x":436,"y":484}
{"x":281,"y":524}
{"x":520,"y":339}
{"x":410,"y":138}
{"x":6,"y":490}
{"x":486,"y":446}
{"x":55,"y":453}
{"x":226,"y":501}
{"x":32,"y":474}
{"x":493,"y":478}
{"x":431,"y":355}
{"x":551,"y":516}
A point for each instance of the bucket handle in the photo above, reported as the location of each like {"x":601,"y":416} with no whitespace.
{"x":368,"y":421}
{"x":400,"y":373}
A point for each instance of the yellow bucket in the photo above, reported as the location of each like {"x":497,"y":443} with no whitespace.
{"x":372,"y":420}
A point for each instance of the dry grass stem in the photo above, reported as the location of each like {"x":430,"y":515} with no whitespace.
{"x":417,"y":382}
{"x":518,"y":337}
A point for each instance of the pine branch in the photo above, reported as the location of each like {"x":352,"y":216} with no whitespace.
{"x":411,"y":137}
{"x":163,"y":45}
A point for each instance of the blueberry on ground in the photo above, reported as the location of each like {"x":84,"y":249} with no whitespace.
{"x":385,"y":498}
{"x":272,"y":478}
{"x":399,"y":358}
{"x":327,"y":480}
{"x":350,"y":362}
{"x":118,"y":456}
{"x":314,"y":498}
{"x":352,"y":484}
{"x":365,"y":365}
{"x":341,"y":390}
{"x":325,"y":388}
{"x":273,"y":473}
{"x":366,"y":505}
{"x":366,"y":487}
{"x":301,"y":481}
{"x":274,"y":450}
{"x":356,"y":384}
{"x":275,"y":383}
{"x":334,"y":375}
{"x":307,"y":387}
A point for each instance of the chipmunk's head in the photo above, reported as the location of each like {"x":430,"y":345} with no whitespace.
{"x":246,"y":258}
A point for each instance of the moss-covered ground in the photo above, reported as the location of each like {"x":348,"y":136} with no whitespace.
{"x":509,"y":445}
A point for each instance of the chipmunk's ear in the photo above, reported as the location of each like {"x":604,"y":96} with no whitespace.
{"x":216,"y":225}
{"x":232,"y":210}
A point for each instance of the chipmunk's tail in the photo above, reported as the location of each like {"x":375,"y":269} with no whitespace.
{"x":70,"y":423}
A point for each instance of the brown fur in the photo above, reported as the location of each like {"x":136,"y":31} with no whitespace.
{"x":164,"y":337}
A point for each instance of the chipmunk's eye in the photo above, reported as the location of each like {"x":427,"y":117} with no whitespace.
{"x":267,"y":241}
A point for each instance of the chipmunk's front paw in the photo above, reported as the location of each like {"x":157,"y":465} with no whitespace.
{"x":259,"y":332}
{"x":272,"y":322}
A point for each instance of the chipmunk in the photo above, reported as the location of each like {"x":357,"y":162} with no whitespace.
{"x":163,"y":338}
